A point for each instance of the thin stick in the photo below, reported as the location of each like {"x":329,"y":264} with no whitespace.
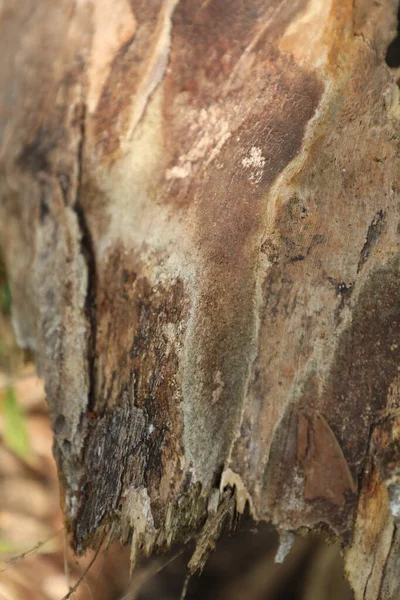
{"x":185,"y":586}
{"x":11,"y":562}
{"x":82,"y":577}
{"x":137,"y":587}
{"x":67,"y":571}
{"x":85,"y":581}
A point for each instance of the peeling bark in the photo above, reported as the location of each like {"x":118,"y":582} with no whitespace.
{"x":199,"y":212}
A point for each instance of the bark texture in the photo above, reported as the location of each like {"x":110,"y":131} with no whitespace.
{"x":200,"y":217}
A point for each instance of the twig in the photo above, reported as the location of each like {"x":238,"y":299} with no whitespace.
{"x":185,"y":586}
{"x":85,"y":581}
{"x":66,"y":565}
{"x":137,"y":587}
{"x":11,"y":562}
{"x":82,"y":577}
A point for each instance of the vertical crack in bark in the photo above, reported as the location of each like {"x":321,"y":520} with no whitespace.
{"x":157,"y":65}
{"x":374,"y":231}
{"x":362,"y":476}
{"x":88,"y":254}
{"x":369,"y":576}
{"x":385,"y":567}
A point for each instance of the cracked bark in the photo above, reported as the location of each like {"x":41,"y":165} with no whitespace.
{"x":199,"y":212}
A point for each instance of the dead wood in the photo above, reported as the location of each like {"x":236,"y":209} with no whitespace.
{"x":199,"y":213}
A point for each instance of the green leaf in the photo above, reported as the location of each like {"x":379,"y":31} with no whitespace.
{"x":15,"y":435}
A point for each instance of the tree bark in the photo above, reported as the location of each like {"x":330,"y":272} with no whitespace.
{"x":199,"y":214}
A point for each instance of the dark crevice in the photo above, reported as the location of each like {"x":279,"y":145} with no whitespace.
{"x":43,"y":206}
{"x":393,"y":52}
{"x":344,"y":292}
{"x":385,"y":574}
{"x":374,"y":231}
{"x":88,"y":253}
{"x":217,"y":479}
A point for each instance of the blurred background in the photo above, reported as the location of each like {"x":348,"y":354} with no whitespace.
{"x":36,"y":563}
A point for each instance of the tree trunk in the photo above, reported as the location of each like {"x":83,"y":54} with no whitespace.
{"x":200,"y":218}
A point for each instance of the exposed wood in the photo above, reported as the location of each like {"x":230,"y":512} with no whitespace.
{"x":200,"y":219}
